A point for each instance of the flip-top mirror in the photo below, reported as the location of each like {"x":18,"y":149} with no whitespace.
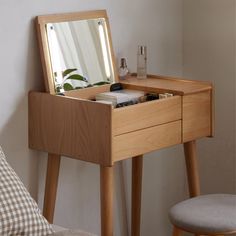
{"x":76,"y":51}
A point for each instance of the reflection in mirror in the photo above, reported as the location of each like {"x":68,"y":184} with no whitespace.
{"x":80,"y":54}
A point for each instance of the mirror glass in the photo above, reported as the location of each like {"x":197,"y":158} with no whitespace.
{"x":80,"y":54}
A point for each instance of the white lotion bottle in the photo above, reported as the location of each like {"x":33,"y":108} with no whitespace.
{"x":142,"y":62}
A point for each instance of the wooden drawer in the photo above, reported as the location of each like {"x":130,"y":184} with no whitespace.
{"x":146,"y":115}
{"x":95,"y":132}
{"x":146,"y":140}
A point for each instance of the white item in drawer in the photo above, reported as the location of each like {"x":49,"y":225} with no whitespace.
{"x":120,"y":96}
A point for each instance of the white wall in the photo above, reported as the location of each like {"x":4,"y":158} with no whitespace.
{"x":210,"y":54}
{"x":158,"y":24}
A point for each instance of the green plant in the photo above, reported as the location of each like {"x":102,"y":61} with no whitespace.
{"x":68,"y":76}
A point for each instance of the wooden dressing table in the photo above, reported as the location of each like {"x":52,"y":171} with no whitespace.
{"x":68,"y":125}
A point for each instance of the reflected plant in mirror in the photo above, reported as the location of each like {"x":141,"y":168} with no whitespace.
{"x":80,"y":54}
{"x":68,"y":76}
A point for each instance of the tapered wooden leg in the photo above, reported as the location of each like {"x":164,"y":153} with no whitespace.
{"x":176,"y":232}
{"x":51,"y":186}
{"x":106,"y":195}
{"x":192,"y":168}
{"x":137,"y":168}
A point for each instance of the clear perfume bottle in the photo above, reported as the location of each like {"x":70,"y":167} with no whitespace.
{"x":123,"y":70}
{"x":142,"y":62}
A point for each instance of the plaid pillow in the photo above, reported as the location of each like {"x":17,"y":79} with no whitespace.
{"x":19,"y":213}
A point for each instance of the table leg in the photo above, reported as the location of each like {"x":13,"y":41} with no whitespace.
{"x":192,"y":168}
{"x":106,"y":195}
{"x":137,"y":167}
{"x":51,"y":186}
{"x":176,"y":232}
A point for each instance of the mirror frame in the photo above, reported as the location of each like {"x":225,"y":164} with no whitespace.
{"x":42,"y":21}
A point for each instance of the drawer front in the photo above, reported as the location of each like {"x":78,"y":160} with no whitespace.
{"x":146,"y":140}
{"x":146,"y":115}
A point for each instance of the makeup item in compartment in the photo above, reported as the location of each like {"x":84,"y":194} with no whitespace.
{"x":169,"y":94}
{"x":165,"y":95}
{"x":123,"y":70}
{"x":105,"y":102}
{"x":152,"y":96}
{"x":124,"y":97}
{"x":116,"y":87}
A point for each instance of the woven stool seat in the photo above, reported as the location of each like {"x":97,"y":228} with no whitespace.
{"x":207,"y":214}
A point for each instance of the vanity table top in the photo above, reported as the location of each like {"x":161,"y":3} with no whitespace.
{"x":177,"y":85}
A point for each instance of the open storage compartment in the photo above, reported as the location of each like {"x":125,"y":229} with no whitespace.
{"x":96,"y":132}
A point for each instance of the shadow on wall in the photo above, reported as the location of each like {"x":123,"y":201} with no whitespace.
{"x":14,"y":132}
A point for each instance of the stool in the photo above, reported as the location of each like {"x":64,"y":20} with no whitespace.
{"x":213,"y":214}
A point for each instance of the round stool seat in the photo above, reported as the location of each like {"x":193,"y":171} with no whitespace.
{"x":207,"y":214}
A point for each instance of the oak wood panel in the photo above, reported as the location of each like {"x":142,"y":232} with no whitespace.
{"x":50,"y":194}
{"x":176,"y":231}
{"x":192,"y":168}
{"x":146,"y":114}
{"x":212,"y":112}
{"x":146,"y":140}
{"x":45,"y":58}
{"x":197,"y":116}
{"x":66,"y":126}
{"x":72,"y":16}
{"x":166,"y":84}
{"x":88,"y":93}
{"x":106,"y":198}
{"x":137,"y":174}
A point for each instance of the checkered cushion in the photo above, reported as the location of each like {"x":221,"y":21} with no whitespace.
{"x":19,"y":213}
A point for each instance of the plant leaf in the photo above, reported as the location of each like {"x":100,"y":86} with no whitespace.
{"x":68,"y":71}
{"x":58,"y":89}
{"x":68,"y":87}
{"x":101,"y":83}
{"x":76,"y":77}
{"x":79,"y":87}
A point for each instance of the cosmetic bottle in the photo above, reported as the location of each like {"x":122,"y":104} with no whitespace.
{"x":142,"y":62}
{"x":123,"y":70}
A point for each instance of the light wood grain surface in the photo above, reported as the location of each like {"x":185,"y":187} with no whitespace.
{"x":72,"y":16}
{"x":146,"y":114}
{"x":88,"y":93}
{"x":166,"y":84}
{"x":45,"y":58}
{"x":192,"y":168}
{"x":137,"y":174}
{"x":70,"y":127}
{"x":53,"y":168}
{"x":106,"y":197}
{"x":197,"y":116}
{"x":146,"y":140}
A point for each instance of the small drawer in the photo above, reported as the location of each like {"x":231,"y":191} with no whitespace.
{"x":144,"y":115}
{"x":146,"y":140}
